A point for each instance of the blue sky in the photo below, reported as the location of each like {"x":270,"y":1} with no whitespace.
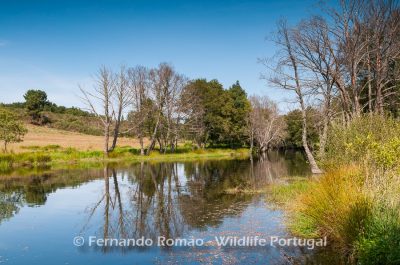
{"x":56,"y":45}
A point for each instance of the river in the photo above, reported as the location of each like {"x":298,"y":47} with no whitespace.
{"x":182,"y":208}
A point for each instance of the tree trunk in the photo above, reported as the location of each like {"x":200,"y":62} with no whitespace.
{"x":160,"y":144}
{"x":251,"y":142}
{"x":115,"y":136}
{"x":116,"y":128}
{"x":378,"y":78}
{"x":369,"y":80}
{"x":153,"y":137}
{"x":106,"y":138}
{"x":310,"y":157}
{"x":141,"y":144}
{"x":323,"y":137}
{"x":379,"y":99}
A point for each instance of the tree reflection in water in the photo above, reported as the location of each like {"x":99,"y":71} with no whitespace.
{"x":155,"y":199}
{"x":168,"y":199}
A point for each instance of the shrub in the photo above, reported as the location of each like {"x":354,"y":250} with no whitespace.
{"x":380,"y":242}
{"x":367,"y":140}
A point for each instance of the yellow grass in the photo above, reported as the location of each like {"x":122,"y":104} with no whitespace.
{"x":42,"y":136}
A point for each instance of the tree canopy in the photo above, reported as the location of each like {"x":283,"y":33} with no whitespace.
{"x":11,"y":130}
{"x":224,"y":112}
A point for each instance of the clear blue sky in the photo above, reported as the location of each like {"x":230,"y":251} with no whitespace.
{"x":56,"y":45}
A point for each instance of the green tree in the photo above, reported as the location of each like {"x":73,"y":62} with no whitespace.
{"x":238,"y":114}
{"x":35,"y":101}
{"x":224,"y":112}
{"x":11,"y":130}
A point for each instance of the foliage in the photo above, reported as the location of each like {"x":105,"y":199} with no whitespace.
{"x":238,"y":114}
{"x":224,"y":112}
{"x":370,"y":140}
{"x":11,"y":129}
{"x":74,"y":123}
{"x":54,"y":108}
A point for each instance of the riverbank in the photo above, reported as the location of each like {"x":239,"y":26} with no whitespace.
{"x":356,"y":203}
{"x":55,"y":155}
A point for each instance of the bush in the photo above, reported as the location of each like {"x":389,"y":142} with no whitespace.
{"x":367,"y":140}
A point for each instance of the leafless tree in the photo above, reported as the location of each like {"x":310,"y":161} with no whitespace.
{"x":267,"y":127}
{"x":382,"y":33}
{"x":165,"y":89}
{"x":313,"y":51}
{"x":193,"y":114}
{"x":288,"y":75}
{"x":139,"y":86}
{"x":176,"y":111}
{"x":122,"y":98}
{"x":99,"y":101}
{"x":365,"y":45}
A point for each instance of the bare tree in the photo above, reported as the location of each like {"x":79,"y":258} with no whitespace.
{"x":99,"y":101}
{"x":139,"y":86}
{"x":121,"y":100}
{"x":365,"y":45}
{"x":166,"y":85}
{"x":288,"y":76}
{"x":175,"y":111}
{"x":193,"y":112}
{"x":314,"y":54}
{"x":267,"y":127}
{"x":382,"y":30}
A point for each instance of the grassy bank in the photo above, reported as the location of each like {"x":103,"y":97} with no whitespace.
{"x":356,"y":203}
{"x":54,"y":155}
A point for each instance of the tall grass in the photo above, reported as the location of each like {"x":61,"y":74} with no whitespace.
{"x":333,"y":206}
{"x":32,"y":159}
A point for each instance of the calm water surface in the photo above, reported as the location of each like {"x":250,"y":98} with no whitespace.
{"x":41,"y":213}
